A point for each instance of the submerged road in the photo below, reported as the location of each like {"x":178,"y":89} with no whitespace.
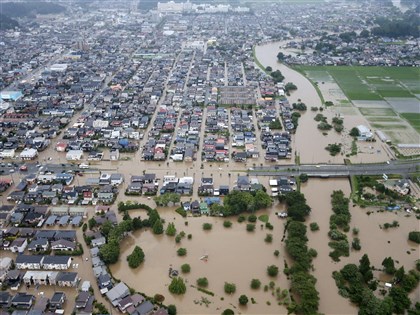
{"x":339,"y":170}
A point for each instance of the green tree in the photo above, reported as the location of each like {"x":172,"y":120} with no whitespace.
{"x":227,"y":224}
{"x":365,"y":268}
{"x":272,"y":270}
{"x":136,"y":257}
{"x":157,"y":227}
{"x":171,"y":309}
{"x":92,"y":223}
{"x":230,"y":288}
{"x":170,"y":229}
{"x":400,"y":299}
{"x":354,"y":132}
{"x":255,"y":284}
{"x":414,"y":236}
{"x":243,"y":299}
{"x":303,"y":177}
{"x":181,"y":251}
{"x":203,"y":282}
{"x":110,"y":252}
{"x":389,"y":266}
{"x":185,"y":268}
{"x":177,"y":286}
{"x":228,"y":311}
{"x":250,"y":227}
{"x":268,"y":238}
{"x":106,"y":227}
{"x":207,"y":226}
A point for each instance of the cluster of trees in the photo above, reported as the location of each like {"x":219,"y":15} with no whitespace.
{"x":333,"y":148}
{"x":136,"y":257}
{"x":407,"y":25}
{"x":110,"y":252}
{"x":339,"y":221}
{"x":290,"y":87}
{"x":276,"y":124}
{"x":165,"y":199}
{"x":7,"y":23}
{"x":356,"y":282}
{"x":297,"y":209}
{"x":277,"y":76}
{"x":237,"y":202}
{"x":302,"y":282}
{"x":299,"y":106}
{"x":129,"y":205}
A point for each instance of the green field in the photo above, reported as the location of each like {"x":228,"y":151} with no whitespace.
{"x":413,"y":119}
{"x":369,"y":83}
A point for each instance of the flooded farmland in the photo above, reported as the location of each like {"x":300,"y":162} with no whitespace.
{"x":309,"y":141}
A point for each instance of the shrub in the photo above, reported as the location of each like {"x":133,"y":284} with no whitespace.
{"x":268,"y":238}
{"x":170,"y":229}
{"x":230,"y":288}
{"x":276,"y":253}
{"x":171,"y":309}
{"x":250,"y":227}
{"x":207,"y":226}
{"x":252,"y":218}
{"x":227,"y":224}
{"x":243,"y":299}
{"x":314,"y":226}
{"x":202,"y":282}
{"x":414,"y":236}
{"x":255,"y":284}
{"x":181,"y":251}
{"x":177,"y":286}
{"x":272,"y":270}
{"x":185,"y":268}
{"x":241,"y":218}
{"x":136,"y":257}
{"x":356,"y":244}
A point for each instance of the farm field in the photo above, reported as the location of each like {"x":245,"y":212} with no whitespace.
{"x":413,"y":119}
{"x":369,"y":83}
{"x":388,"y":97}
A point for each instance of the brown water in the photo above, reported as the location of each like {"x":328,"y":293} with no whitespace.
{"x":309,"y":142}
{"x":235,"y":255}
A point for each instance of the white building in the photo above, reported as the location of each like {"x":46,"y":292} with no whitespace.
{"x":7,"y":153}
{"x":28,"y":154}
{"x":364,"y":133}
{"x":74,"y":155}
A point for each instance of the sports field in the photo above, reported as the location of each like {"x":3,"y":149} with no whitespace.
{"x":369,"y":83}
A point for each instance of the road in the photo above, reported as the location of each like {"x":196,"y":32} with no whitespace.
{"x":339,"y":170}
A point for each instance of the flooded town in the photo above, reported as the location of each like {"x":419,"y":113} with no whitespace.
{"x":210,"y":157}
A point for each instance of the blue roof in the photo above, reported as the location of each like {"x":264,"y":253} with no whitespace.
{"x":10,"y":95}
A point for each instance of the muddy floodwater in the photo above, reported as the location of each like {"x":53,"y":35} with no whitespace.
{"x":237,"y":256}
{"x":309,"y":142}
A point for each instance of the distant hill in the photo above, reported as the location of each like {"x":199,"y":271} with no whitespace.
{"x":21,"y":9}
{"x":7,"y":23}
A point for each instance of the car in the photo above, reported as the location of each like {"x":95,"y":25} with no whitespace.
{"x":23,"y":168}
{"x":80,"y":174}
{"x":12,"y":170}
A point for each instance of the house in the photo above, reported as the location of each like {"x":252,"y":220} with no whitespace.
{"x":57,"y":301}
{"x":36,"y":277}
{"x":69,"y":235}
{"x":114,"y":155}
{"x":63,"y":245}
{"x":74,"y":155}
{"x":130,"y":301}
{"x":41,"y":304}
{"x":195,"y":207}
{"x":38,"y":245}
{"x":19,"y":245}
{"x":116,"y":179}
{"x":117,"y":293}
{"x":22,"y":300}
{"x":29,"y":261}
{"x":67,"y":279}
{"x":87,"y":309}
{"x":28,"y":154}
{"x":56,"y":262}
{"x":96,"y":261}
{"x":104,"y":281}
{"x":98,"y":242}
{"x":5,"y":299}
{"x":145,"y":308}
